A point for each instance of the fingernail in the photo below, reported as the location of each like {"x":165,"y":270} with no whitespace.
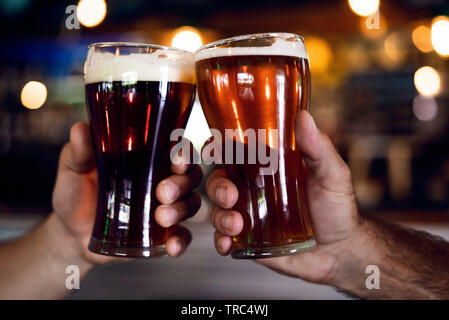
{"x":170,"y":191}
{"x":169,"y":214}
{"x":227,"y":222}
{"x":221,"y":195}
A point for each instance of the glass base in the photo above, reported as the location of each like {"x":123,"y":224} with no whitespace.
{"x":112,"y":249}
{"x":271,"y":252}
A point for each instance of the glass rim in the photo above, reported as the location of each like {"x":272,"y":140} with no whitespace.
{"x":119,"y":44}
{"x":249,"y":37}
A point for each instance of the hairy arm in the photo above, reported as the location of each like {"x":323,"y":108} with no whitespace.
{"x":413,"y":264}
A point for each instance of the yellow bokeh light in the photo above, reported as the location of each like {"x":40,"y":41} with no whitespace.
{"x":33,"y":95}
{"x":440,"y":35}
{"x":364,"y":8}
{"x":394,"y":47}
{"x":91,"y":13}
{"x":187,"y":38}
{"x":421,"y":39}
{"x":320,"y":54}
{"x":427,"y":81}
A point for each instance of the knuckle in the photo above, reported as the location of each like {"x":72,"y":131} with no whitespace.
{"x":214,"y":176}
{"x":213,"y":216}
{"x":345,"y":171}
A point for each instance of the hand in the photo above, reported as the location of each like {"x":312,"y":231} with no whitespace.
{"x":75,"y":197}
{"x":332,"y":207}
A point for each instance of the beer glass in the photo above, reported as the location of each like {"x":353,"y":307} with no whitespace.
{"x":136,"y":95}
{"x":254,"y":86}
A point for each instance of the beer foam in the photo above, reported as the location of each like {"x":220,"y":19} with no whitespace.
{"x":162,"y":65}
{"x":279,"y":48}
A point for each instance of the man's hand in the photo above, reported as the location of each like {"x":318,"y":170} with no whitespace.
{"x":34,"y":266}
{"x":413,"y":264}
{"x":332,"y":207}
{"x":75,"y":196}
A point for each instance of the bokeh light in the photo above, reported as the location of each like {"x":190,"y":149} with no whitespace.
{"x":421,"y":39}
{"x":395,"y":47}
{"x":33,"y":95}
{"x":364,"y":8}
{"x":357,"y":58}
{"x":187,"y":38}
{"x":91,"y":13}
{"x":427,"y":81}
{"x":440,"y":35}
{"x":425,"y":108}
{"x":320,"y":54}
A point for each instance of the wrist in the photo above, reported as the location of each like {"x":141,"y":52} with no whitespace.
{"x":63,"y":247}
{"x":355,"y":256}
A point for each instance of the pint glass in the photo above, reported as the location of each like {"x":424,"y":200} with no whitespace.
{"x":254,"y":86}
{"x":136,"y":95}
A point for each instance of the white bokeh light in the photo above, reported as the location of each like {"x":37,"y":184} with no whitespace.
{"x":427,"y":81}
{"x":91,"y":13}
{"x":364,"y":8}
{"x":440,"y":35}
{"x":187,"y":38}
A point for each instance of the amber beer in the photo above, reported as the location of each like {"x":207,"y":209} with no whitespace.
{"x":136,"y":95}
{"x":261,"y":82}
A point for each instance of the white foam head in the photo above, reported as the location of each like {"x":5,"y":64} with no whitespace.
{"x":161,"y":65}
{"x":281,"y":47}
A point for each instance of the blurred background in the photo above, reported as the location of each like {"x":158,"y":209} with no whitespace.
{"x":379,"y":89}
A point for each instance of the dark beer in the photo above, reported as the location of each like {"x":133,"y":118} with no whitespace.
{"x":131,"y":120}
{"x":262,"y":88}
